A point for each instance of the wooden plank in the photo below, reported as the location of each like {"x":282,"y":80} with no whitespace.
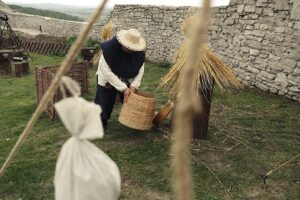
{"x":41,"y":48}
{"x":34,"y":47}
{"x":59,"y":48}
{"x":27,"y":46}
{"x":67,"y":49}
{"x":62,"y":48}
{"x":31,"y":46}
{"x":55,"y":48}
{"x":37,"y":46}
{"x":44,"y":50}
{"x":50,"y":48}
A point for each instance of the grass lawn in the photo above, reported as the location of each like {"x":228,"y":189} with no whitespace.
{"x":250,"y":133}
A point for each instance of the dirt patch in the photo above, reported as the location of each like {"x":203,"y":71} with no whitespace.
{"x":266,"y":192}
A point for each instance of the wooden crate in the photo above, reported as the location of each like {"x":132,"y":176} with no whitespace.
{"x":45,"y":75}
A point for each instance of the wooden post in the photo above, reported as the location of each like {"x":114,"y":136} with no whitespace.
{"x":201,"y":119}
{"x":21,"y":68}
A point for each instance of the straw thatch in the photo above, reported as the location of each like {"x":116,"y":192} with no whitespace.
{"x":210,"y":69}
{"x":106,"y":34}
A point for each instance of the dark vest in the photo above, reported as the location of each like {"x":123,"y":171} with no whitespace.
{"x":124,"y":65}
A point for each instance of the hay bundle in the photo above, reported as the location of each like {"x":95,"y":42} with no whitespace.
{"x":106,"y":34}
{"x":210,"y":69}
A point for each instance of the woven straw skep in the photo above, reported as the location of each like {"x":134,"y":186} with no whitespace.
{"x":138,"y":111}
{"x":106,"y":34}
{"x":209,"y":68}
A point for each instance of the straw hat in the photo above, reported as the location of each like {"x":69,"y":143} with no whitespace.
{"x":131,"y":39}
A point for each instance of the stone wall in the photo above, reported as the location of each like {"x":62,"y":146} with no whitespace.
{"x":50,"y":26}
{"x":259,"y":39}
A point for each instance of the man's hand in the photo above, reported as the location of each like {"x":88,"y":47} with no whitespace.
{"x":133,"y":89}
{"x":126,"y":93}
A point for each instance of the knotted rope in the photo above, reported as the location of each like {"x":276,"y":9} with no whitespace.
{"x":187,"y":104}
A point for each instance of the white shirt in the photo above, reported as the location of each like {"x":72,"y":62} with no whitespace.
{"x":106,"y":75}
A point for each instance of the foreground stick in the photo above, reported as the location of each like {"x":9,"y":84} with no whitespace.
{"x":65,"y":66}
{"x":187,"y":105}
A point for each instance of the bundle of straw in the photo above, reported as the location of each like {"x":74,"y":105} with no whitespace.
{"x":210,"y":69}
{"x":106,"y":34}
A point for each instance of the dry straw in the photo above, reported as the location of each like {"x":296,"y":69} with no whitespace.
{"x":209,"y":68}
{"x":106,"y":34}
{"x":138,"y":111}
{"x":65,"y":66}
{"x":186,"y":105}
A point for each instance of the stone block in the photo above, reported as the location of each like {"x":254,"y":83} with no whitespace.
{"x":254,"y":44}
{"x":266,"y":75}
{"x":297,"y":69}
{"x":245,"y":49}
{"x":273,"y":90}
{"x":297,"y":25}
{"x":281,"y":80}
{"x":254,"y":52}
{"x":279,"y":29}
{"x":295,"y":14}
{"x":262,"y":55}
{"x":258,"y":11}
{"x":268,"y":12}
{"x":222,"y":43}
{"x":278,"y":38}
{"x":281,"y":5}
{"x":294,"y":79}
{"x":259,"y":33}
{"x":249,"y":9}
{"x":262,"y":86}
{"x":261,"y":2}
{"x":253,"y":70}
{"x":270,"y":35}
{"x":240,"y":8}
{"x":294,"y":89}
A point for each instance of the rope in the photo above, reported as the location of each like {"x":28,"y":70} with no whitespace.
{"x":72,"y":86}
{"x":187,"y":105}
{"x":65,"y":66}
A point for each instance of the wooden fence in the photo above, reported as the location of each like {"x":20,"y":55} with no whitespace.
{"x":46,"y":48}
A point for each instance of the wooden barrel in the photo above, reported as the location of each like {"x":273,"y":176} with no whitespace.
{"x":21,"y":68}
{"x":138,"y":111}
{"x":5,"y":67}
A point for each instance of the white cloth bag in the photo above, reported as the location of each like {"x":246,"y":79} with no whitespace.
{"x":84,"y":172}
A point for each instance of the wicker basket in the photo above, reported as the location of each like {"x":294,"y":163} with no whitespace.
{"x":45,"y":75}
{"x":138,"y":111}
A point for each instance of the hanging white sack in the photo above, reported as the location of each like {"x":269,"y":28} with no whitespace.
{"x":84,"y":172}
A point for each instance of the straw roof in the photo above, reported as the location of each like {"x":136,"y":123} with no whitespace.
{"x":106,"y":34}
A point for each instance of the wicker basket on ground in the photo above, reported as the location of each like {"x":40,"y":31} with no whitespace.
{"x":138,"y":111}
{"x":45,"y":75}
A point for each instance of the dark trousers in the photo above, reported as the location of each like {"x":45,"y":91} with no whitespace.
{"x":105,"y":97}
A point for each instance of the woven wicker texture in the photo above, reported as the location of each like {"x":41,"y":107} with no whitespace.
{"x":138,"y":111}
{"x":45,"y":75}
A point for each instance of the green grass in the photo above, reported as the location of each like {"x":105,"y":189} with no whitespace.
{"x":266,"y":126}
